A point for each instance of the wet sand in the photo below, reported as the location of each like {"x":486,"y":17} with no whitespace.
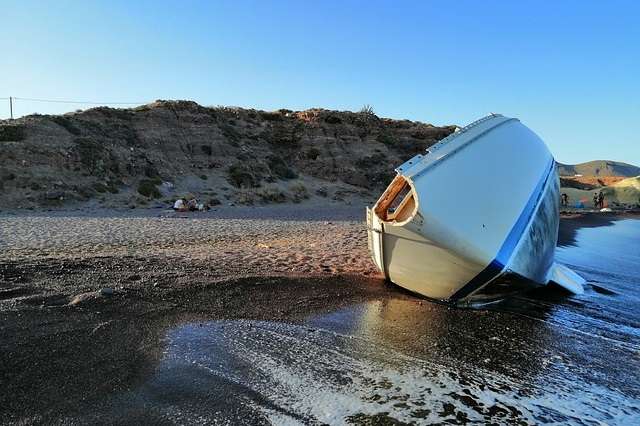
{"x":233,"y":318}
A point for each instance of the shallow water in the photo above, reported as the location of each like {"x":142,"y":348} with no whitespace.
{"x":541,"y":357}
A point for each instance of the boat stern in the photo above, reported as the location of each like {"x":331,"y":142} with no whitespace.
{"x":374,"y":239}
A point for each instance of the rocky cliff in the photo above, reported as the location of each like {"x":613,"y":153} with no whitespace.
{"x":148,"y":156}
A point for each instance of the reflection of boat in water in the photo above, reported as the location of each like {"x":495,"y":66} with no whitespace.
{"x":477,"y":210}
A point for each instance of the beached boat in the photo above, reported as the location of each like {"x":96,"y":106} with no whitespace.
{"x":474,"y":218}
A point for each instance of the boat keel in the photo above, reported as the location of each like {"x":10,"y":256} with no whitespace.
{"x":566,"y":278}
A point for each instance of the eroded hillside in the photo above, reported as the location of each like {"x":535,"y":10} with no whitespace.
{"x":152,"y":154}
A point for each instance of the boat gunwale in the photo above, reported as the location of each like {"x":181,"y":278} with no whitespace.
{"x":446,"y":141}
{"x":409,"y":178}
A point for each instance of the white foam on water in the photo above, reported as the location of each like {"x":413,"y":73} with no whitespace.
{"x":312,"y":375}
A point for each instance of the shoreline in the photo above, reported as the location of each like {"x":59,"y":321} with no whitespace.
{"x":571,"y":222}
{"x":101,"y":292}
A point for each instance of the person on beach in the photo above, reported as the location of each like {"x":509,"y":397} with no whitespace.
{"x":601,"y":199}
{"x":180,"y":205}
{"x":192,"y":205}
{"x":595,"y":200}
{"x":565,"y":199}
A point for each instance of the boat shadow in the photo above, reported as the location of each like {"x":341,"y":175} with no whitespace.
{"x":569,"y":225}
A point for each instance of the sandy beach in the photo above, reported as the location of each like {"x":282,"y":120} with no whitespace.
{"x":232,"y":241}
{"x":92,"y":304}
{"x":73,"y":279}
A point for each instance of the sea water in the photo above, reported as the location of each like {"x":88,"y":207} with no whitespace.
{"x":545,"y":357}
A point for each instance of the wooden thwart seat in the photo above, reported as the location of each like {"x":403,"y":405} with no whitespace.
{"x":397,"y":202}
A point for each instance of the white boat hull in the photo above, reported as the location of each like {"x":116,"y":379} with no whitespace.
{"x":480,"y":205}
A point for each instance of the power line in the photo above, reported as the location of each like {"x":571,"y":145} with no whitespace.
{"x":60,"y":101}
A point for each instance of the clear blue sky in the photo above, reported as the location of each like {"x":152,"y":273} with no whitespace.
{"x":568,"y":69}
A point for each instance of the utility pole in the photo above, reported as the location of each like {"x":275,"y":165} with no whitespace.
{"x":11,"y":106}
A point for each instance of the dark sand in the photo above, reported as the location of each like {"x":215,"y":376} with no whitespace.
{"x":231,"y":324}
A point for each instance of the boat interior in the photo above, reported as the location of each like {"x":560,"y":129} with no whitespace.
{"x":398,"y":203}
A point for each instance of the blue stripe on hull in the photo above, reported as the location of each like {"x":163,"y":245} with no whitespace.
{"x":497,"y":265}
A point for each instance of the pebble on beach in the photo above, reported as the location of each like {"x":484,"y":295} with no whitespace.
{"x":106,"y":291}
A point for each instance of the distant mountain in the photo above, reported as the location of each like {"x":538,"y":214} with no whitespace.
{"x":599,"y":168}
